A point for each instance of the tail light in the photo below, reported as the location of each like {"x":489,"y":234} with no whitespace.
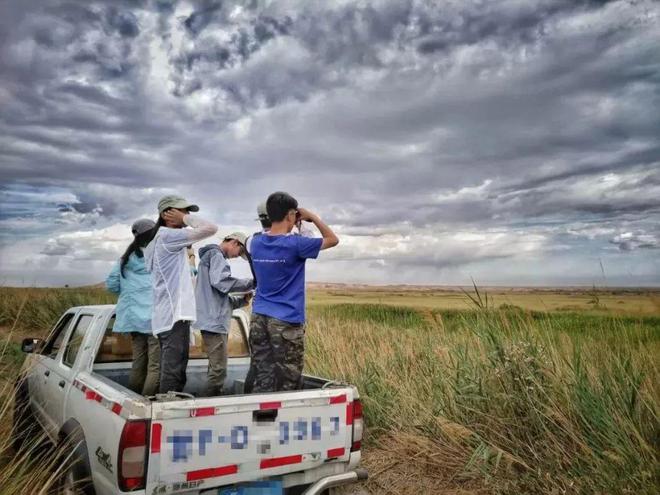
{"x":358,"y":425}
{"x":132,"y":456}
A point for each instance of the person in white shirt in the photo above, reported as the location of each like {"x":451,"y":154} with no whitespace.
{"x":174,"y":308}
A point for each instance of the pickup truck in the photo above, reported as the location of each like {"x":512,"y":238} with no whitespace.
{"x":74,"y":385}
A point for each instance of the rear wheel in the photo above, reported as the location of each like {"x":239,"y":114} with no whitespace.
{"x":76,"y":478}
{"x":68,"y":485}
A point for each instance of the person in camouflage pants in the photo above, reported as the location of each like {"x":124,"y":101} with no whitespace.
{"x":277,"y":329}
{"x":278,"y":350}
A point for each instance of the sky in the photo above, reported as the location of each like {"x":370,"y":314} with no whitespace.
{"x":511,"y":142}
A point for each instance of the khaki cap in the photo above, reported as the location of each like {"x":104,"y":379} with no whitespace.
{"x":173,"y":201}
{"x":240,"y":237}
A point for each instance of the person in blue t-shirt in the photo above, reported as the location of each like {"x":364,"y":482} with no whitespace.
{"x":277,"y":333}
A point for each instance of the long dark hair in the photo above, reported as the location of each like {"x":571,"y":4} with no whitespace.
{"x":139,"y":241}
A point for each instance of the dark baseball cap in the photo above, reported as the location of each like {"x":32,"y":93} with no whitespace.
{"x":262,"y":213}
{"x":142,"y":225}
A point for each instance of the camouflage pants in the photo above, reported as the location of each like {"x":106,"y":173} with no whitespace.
{"x":277,"y":351}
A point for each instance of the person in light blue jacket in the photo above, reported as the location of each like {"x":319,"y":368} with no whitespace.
{"x":130,"y":279}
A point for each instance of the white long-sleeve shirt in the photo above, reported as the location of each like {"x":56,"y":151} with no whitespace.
{"x":166,"y":259}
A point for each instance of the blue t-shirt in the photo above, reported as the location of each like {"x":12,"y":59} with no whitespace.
{"x":279,"y":264}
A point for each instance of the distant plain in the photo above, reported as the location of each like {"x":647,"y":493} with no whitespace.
{"x":622,"y":301}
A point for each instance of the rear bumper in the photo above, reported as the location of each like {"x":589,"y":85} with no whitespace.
{"x":337,"y":480}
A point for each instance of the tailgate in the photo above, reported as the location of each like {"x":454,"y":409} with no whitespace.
{"x":202,"y":443}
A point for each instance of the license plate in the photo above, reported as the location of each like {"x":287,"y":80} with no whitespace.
{"x":254,"y":488}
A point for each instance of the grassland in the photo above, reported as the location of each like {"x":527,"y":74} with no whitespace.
{"x":533,"y":392}
{"x":634,"y":302}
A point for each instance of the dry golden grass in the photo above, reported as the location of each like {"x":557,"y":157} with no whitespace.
{"x":598,"y":301}
{"x":491,"y":400}
{"x":498,"y":401}
{"x":38,"y":466}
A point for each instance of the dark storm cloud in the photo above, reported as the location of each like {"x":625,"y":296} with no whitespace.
{"x":338,"y":39}
{"x":630,"y":241}
{"x":394,"y":118}
{"x":203,"y":16}
{"x":124,"y":22}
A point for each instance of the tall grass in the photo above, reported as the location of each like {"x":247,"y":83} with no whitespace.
{"x":37,"y":309}
{"x":37,"y":466}
{"x":490,"y":401}
{"x":508,"y":399}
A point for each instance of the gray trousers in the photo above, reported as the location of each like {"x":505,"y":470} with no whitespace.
{"x":174,"y":349}
{"x":216,"y":350}
{"x":145,"y":370}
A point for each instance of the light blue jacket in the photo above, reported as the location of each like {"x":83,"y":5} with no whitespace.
{"x":134,"y":289}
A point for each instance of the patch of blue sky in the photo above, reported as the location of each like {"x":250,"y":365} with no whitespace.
{"x":27,"y":211}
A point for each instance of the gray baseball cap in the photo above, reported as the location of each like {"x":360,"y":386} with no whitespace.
{"x":262,"y":213}
{"x":142,"y":225}
{"x":173,"y":201}
{"x":240,"y":237}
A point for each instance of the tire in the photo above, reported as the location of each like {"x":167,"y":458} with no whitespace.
{"x":76,"y":478}
{"x":67,"y":485}
{"x":25,"y":428}
{"x":296,"y":490}
{"x":300,"y":489}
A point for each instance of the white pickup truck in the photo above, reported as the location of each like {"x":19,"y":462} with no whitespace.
{"x":74,"y":384}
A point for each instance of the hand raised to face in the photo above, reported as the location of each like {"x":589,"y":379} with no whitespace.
{"x":306,"y":215}
{"x":174,"y":216}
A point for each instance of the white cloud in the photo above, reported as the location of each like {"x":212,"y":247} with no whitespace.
{"x":99,"y":244}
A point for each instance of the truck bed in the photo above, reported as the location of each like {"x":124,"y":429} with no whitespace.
{"x":196,"y":377}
